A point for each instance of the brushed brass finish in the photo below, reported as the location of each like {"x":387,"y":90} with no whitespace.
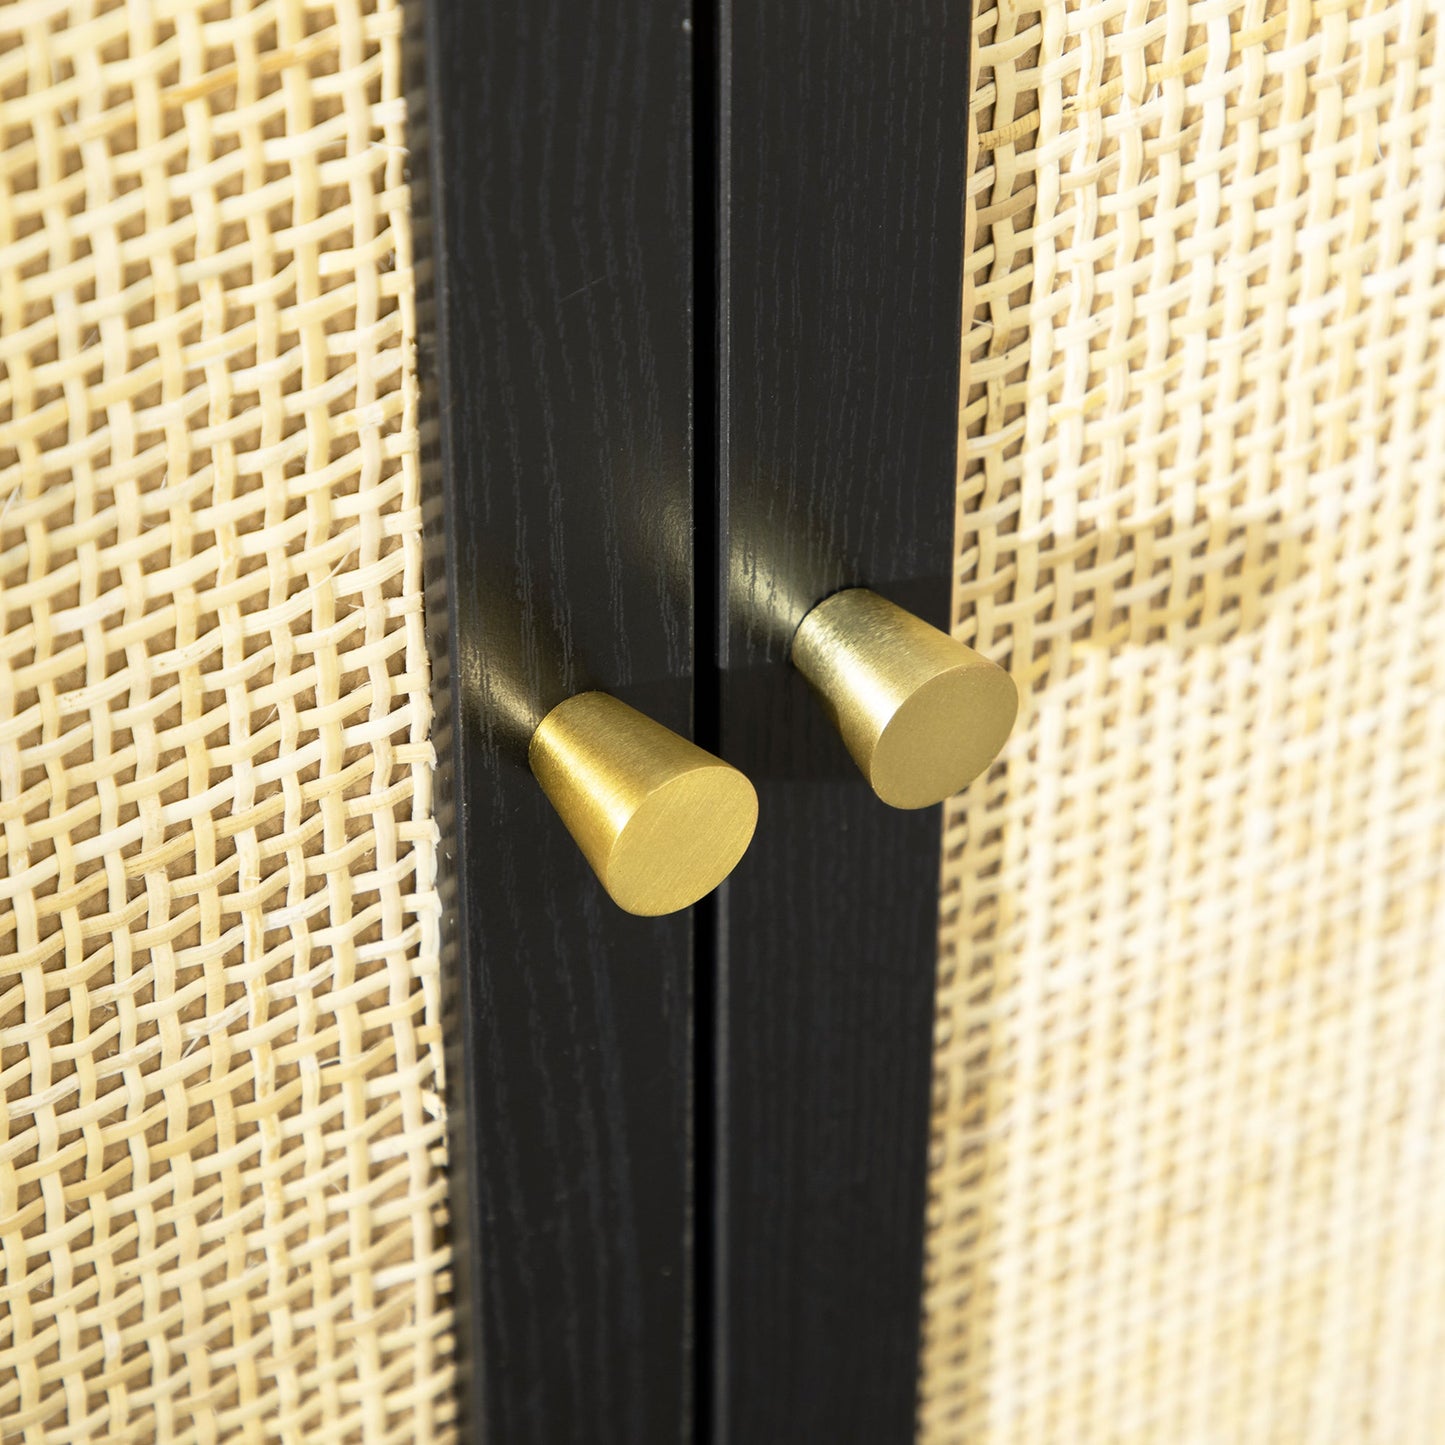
{"x":921,"y":713}
{"x":661,"y":821}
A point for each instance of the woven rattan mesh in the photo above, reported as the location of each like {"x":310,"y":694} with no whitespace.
{"x":220,"y":1148}
{"x":1188,"y":1175}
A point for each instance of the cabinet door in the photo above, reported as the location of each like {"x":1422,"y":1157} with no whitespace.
{"x":560,"y":169}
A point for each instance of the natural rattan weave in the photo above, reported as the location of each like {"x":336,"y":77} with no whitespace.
{"x":221,"y":1200}
{"x":1188,"y":1178}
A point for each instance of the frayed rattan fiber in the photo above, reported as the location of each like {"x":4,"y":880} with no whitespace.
{"x":1188,"y":1170}
{"x":221,"y":1144}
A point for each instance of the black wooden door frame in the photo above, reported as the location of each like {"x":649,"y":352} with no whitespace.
{"x":840,"y":203}
{"x":690,"y":363}
{"x":558,"y":150}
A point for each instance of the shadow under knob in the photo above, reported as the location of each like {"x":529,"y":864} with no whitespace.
{"x":921,"y":713}
{"x":661,"y":821}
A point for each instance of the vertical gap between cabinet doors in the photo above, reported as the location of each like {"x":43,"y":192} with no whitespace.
{"x":708,"y":134}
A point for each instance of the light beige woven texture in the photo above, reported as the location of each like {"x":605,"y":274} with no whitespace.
{"x":220,"y":1145}
{"x":1188,"y":1177}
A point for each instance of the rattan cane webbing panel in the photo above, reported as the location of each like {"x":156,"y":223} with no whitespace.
{"x":1188,"y":1176}
{"x":221,"y":1198}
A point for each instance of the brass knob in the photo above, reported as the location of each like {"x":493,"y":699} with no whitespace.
{"x":921,"y":713}
{"x":661,"y":821}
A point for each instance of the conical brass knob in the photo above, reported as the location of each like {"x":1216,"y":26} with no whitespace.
{"x":661,"y":821}
{"x":921,"y":713}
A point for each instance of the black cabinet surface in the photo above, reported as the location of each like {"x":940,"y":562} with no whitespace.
{"x":691,"y":363}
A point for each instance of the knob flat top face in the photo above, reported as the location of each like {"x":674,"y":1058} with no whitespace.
{"x":943,"y":735}
{"x":682,"y":840}
{"x":921,"y":713}
{"x":661,"y":821}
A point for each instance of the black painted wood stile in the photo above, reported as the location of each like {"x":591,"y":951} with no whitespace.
{"x":558,"y":146}
{"x":840,"y":203}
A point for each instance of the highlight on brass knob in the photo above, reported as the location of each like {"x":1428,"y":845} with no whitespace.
{"x":661,"y":821}
{"x":921,"y":713}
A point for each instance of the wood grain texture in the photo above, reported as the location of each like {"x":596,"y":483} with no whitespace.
{"x":841,"y":151}
{"x":560,"y":200}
